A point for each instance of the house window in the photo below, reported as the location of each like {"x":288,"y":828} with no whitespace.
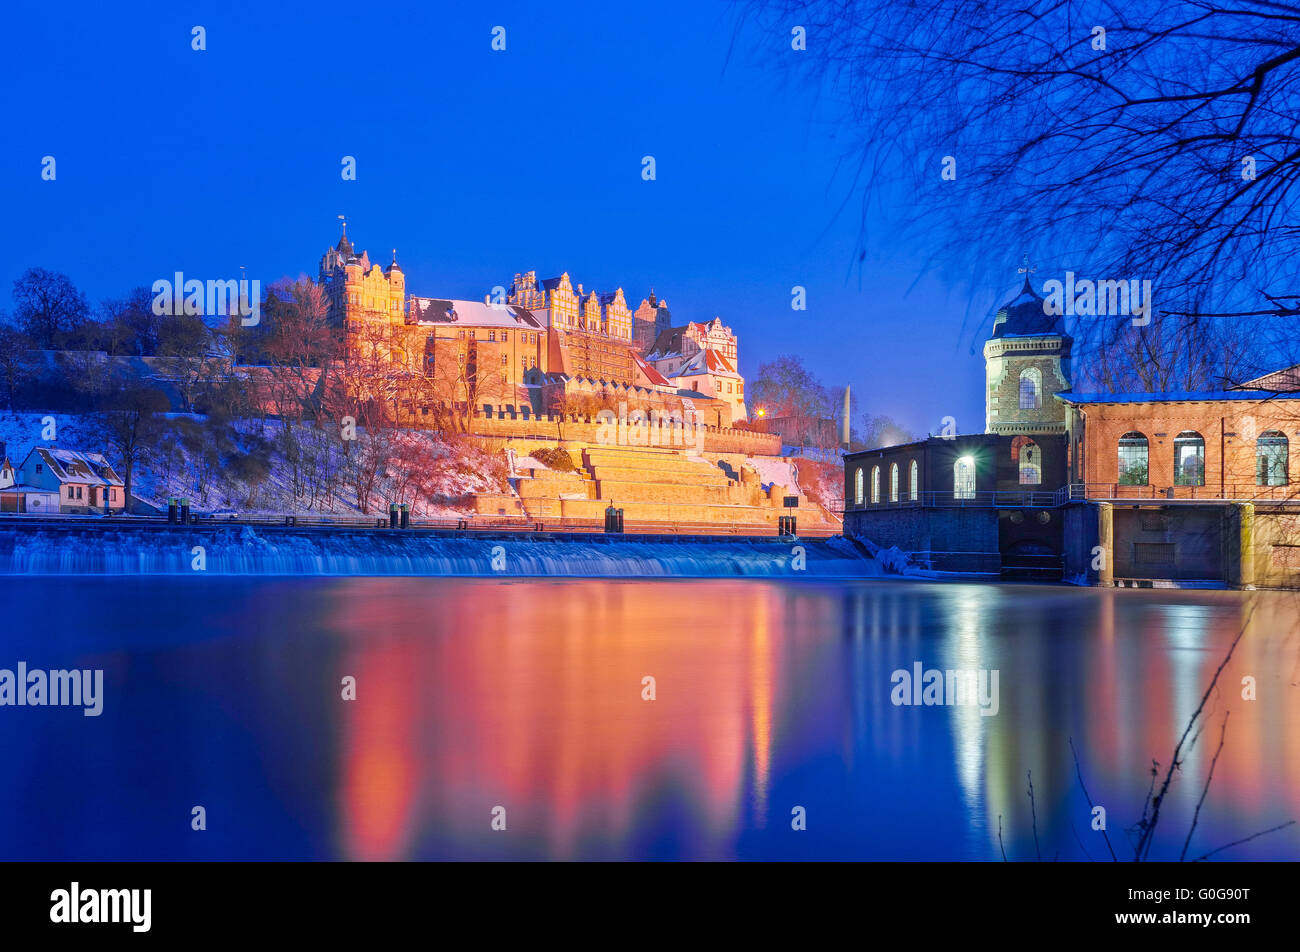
{"x":963,"y":478}
{"x":1189,"y":459}
{"x":1133,"y":469}
{"x":875,"y":485}
{"x":857,"y":486}
{"x":1031,"y":385}
{"x":893,"y":482}
{"x":1031,"y":464}
{"x":505,"y":336}
{"x":912,"y":481}
{"x":460,"y":335}
{"x":492,"y":335}
{"x":471,"y":335}
{"x":1271,"y":459}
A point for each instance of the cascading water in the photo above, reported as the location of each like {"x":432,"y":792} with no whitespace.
{"x":259,"y":551}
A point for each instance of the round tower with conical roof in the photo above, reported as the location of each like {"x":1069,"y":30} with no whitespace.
{"x":1026,"y":362}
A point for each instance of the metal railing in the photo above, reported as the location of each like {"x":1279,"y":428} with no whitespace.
{"x":519,"y":524}
{"x":999,"y":499}
{"x":1236,"y":492}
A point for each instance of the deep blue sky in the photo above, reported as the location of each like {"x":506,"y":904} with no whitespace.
{"x":475,"y":164}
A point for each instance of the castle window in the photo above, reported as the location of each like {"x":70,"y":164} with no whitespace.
{"x":505,"y":359}
{"x":963,"y":478}
{"x":1031,"y":464}
{"x":492,"y":335}
{"x":893,"y":482}
{"x":1189,"y":459}
{"x":1270,"y":459}
{"x":505,"y":335}
{"x":912,"y":481}
{"x":875,"y":485}
{"x":1133,"y":470}
{"x":460,"y":335}
{"x":471,"y":335}
{"x":857,"y":486}
{"x":1031,"y":387}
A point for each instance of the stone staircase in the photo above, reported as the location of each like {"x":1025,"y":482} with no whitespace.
{"x":657,"y":484}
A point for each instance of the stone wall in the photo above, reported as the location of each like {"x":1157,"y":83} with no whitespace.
{"x":945,"y":540}
{"x":711,"y":439}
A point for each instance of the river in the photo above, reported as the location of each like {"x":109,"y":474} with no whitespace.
{"x":523,"y":703}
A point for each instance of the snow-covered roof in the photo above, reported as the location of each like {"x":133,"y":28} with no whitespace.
{"x":651,"y":374}
{"x":706,"y":362}
{"x":472,"y":314}
{"x":71,"y":466}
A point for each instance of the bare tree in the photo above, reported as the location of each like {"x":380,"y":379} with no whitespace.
{"x":128,"y":421}
{"x":1148,"y":139}
{"x":15,"y":360}
{"x":300,"y":343}
{"x":48,"y":305}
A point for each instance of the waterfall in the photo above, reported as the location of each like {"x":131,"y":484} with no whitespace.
{"x":244,"y":550}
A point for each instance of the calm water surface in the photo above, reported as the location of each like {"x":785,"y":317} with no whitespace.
{"x":225,"y":693}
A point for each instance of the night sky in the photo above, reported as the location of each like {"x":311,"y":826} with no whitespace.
{"x":476,"y":164}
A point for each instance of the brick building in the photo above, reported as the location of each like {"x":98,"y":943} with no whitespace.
{"x":1227,"y":444}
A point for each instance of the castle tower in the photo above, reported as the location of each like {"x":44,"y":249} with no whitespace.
{"x":361,"y":294}
{"x":650,"y":320}
{"x":1026,"y":361}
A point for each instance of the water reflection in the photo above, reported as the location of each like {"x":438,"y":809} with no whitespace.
{"x":527,"y":695}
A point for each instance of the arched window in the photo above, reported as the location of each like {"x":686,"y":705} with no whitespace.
{"x":1031,"y":388}
{"x":1133,"y":469}
{"x":963,"y":478}
{"x":875,"y":485}
{"x":857,"y":486}
{"x":1189,"y":459}
{"x":1031,"y":464}
{"x":1270,"y":459}
{"x":893,"y":482}
{"x":911,"y":481}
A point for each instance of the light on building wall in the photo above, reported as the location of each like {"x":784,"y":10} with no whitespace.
{"x":966,"y":460}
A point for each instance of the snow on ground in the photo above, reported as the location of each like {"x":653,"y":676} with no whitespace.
{"x":262,"y":467}
{"x":773,"y":469}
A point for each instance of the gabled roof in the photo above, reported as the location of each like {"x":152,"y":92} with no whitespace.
{"x":719,"y":363}
{"x":1281,"y":381}
{"x":668,"y":343}
{"x":70,"y":466}
{"x":649,"y":371}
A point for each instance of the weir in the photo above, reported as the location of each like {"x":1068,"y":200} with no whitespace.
{"x":314,"y":552}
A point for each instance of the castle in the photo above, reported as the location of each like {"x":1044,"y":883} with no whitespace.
{"x":548,"y":346}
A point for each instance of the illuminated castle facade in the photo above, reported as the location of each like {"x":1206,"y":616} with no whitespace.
{"x":546,"y":337}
